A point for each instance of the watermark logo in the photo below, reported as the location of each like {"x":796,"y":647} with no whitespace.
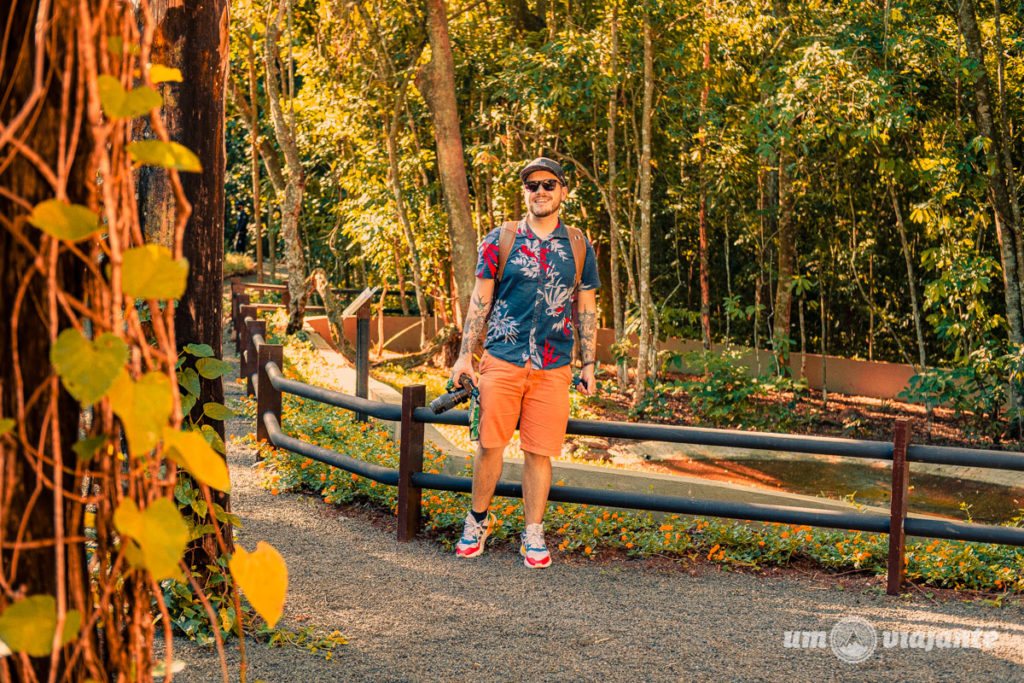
{"x":854,"y":639}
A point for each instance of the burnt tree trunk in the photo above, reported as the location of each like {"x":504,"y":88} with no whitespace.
{"x":25,"y":319}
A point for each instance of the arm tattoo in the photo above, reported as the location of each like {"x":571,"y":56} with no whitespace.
{"x":588,"y":335}
{"x":476,"y":324}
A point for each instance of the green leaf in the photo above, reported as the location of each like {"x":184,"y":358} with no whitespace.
{"x":158,"y":73}
{"x":189,"y":380}
{"x":6,"y":425}
{"x":159,"y":533}
{"x":199,"y":350}
{"x":165,"y":155}
{"x":144,"y":408}
{"x":191,"y":451}
{"x":212,"y":438}
{"x":86,"y":448}
{"x":263,"y":576}
{"x":121,"y":104}
{"x":88,"y":368}
{"x":64,"y":221}
{"x":188,"y":402}
{"x":150,"y":272}
{"x":212,"y":368}
{"x":28,"y":625}
{"x":217,"y":411}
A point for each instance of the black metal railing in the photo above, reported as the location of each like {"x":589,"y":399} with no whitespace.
{"x":261,"y":365}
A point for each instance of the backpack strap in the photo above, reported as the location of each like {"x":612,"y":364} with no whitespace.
{"x":505,"y":241}
{"x":579,"y":253}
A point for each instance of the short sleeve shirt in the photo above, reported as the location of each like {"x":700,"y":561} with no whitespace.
{"x":531,"y":319}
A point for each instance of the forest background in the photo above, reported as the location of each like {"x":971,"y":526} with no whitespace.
{"x":838,"y":177}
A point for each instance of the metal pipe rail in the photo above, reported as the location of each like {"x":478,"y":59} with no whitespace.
{"x":261,"y":365}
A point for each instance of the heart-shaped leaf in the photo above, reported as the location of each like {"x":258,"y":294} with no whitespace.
{"x":88,"y":368}
{"x":119,"y":103}
{"x":7,"y":424}
{"x":212,"y":368}
{"x":28,"y":625}
{"x":190,"y":450}
{"x":217,"y":411}
{"x":263,"y":576}
{"x":150,"y":272}
{"x":189,"y":380}
{"x":159,"y":532}
{"x":144,"y":408}
{"x":199,"y":350}
{"x":212,"y":438}
{"x":165,"y":155}
{"x":71,"y":222}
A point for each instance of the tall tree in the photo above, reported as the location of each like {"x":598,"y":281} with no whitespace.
{"x":643,"y":368}
{"x":295,"y":185}
{"x":436,"y":82}
{"x":999,"y":192}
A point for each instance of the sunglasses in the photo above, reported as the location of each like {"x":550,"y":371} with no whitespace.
{"x":533,"y":185}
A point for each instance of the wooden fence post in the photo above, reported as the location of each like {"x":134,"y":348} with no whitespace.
{"x":362,"y":355}
{"x":246,"y":360}
{"x":237,"y":301}
{"x":410,"y":459}
{"x":268,"y":399}
{"x":898,"y":508}
{"x":252,"y":353}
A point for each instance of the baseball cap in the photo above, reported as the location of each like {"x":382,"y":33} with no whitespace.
{"x":543,"y":164}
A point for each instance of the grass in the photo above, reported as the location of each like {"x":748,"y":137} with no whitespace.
{"x":590,"y":531}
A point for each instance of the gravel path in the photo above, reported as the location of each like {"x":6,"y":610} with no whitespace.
{"x":411,"y":612}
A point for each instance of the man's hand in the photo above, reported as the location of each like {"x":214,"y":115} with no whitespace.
{"x":588,"y":383}
{"x":463,"y":366}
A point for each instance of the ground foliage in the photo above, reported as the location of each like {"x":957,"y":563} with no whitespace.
{"x":589,"y":532}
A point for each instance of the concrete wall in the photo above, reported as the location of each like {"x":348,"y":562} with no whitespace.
{"x":846,"y":376}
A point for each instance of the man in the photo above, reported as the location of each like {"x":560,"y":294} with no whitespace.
{"x":525,"y":368}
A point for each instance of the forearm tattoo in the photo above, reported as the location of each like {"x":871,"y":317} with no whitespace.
{"x":476,"y":324}
{"x":588,"y":336}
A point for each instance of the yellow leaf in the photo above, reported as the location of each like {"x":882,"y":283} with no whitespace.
{"x":263,"y":576}
{"x":191,"y":451}
{"x":59,"y":219}
{"x":151,"y":272}
{"x":29,"y":625}
{"x":144,"y":408}
{"x":159,"y":532}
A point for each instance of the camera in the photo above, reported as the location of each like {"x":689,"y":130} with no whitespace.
{"x":453,"y":398}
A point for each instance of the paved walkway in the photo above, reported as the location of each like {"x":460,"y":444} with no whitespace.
{"x":412,"y":612}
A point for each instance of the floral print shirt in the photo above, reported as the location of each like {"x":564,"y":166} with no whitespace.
{"x":531,"y":319}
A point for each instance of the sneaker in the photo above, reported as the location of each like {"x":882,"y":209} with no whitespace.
{"x":535,"y":553}
{"x":474,"y":534}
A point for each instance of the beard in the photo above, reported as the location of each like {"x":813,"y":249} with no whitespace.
{"x":550,"y":207}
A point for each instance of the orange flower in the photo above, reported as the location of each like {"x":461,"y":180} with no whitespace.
{"x":274,"y":492}
{"x":664,"y":527}
{"x":713,"y":550}
{"x":587,"y":550}
{"x":629,"y":545}
{"x":784,"y":534}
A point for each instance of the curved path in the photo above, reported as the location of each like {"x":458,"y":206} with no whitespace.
{"x":411,"y":612}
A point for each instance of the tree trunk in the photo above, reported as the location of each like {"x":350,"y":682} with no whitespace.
{"x":436,"y":82}
{"x":644,"y":247}
{"x":705,"y":288}
{"x":912,"y":280}
{"x":291,"y":207}
{"x":1006,"y":228}
{"x":787,"y":263}
{"x":319,"y":283}
{"x":618,"y":309}
{"x":255,"y":154}
{"x":39,"y":447}
{"x":198,"y":315}
{"x":1006,"y":157}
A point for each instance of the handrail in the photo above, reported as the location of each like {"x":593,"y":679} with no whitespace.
{"x":266,"y":374}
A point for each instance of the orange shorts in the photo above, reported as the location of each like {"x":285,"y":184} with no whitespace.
{"x":537,"y":399}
